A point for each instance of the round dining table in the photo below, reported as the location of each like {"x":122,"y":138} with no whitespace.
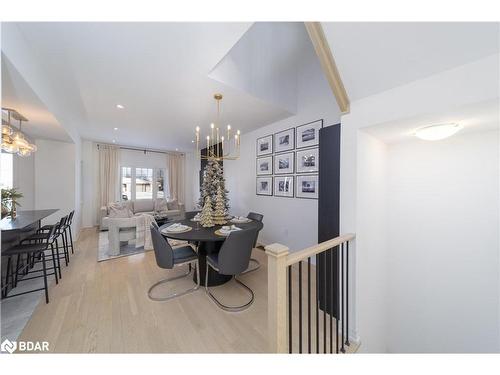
{"x":207,"y":242}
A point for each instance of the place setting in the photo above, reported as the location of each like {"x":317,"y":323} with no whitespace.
{"x":177,"y":228}
{"x":226,"y":230}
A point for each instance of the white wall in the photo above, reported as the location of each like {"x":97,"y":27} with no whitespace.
{"x":55,"y":178}
{"x":471,"y":83}
{"x":372,"y":309}
{"x":290,"y":221}
{"x":443,"y":244}
{"x":24,"y":180}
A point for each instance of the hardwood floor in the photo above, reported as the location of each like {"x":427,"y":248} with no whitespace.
{"x":103,"y":307}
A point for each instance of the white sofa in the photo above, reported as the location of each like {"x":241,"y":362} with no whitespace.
{"x":174,"y":212}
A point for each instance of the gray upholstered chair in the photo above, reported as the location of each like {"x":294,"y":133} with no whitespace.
{"x":232,"y":259}
{"x":168,"y":258}
{"x":255,"y":217}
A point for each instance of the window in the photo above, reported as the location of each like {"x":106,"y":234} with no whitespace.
{"x":142,"y":183}
{"x":160,"y":183}
{"x":126,"y":183}
{"x":7,"y":167}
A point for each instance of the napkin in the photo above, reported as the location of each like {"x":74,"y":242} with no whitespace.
{"x":175,"y":226}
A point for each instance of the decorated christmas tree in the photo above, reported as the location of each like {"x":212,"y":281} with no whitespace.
{"x":206,"y":214}
{"x":219,"y":215}
{"x":213,"y":178}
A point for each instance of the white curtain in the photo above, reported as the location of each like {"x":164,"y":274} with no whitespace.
{"x":175,"y":166}
{"x":108,"y":174}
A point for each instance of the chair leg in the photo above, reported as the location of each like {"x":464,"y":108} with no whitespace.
{"x":54,"y":263}
{"x":71,"y":240}
{"x":65,"y":247}
{"x":254,"y":268}
{"x":170,"y":296}
{"x":58,"y":259}
{"x":57,"y":247}
{"x":225,"y":307}
{"x":7,"y":275}
{"x":45,"y":278}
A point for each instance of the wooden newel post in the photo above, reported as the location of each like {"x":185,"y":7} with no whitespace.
{"x":276,"y":297}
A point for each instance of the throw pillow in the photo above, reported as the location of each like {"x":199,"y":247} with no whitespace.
{"x":120,"y":210}
{"x":161,"y":205}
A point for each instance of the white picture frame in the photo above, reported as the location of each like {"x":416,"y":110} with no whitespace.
{"x":265,"y":145}
{"x":284,"y":186}
{"x":284,"y":140}
{"x":307,"y":135}
{"x":307,"y":160}
{"x":307,"y":186}
{"x":284,"y":163}
{"x":264,"y":186}
{"x":264,"y":166}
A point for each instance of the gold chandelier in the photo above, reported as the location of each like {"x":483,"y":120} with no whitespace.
{"x":14,"y":141}
{"x":219,"y":147}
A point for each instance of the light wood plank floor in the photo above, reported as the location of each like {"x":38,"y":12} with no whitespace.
{"x":103,"y":307}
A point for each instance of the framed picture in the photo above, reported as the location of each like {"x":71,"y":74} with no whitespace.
{"x":284,"y":140}
{"x":283,"y":186}
{"x":307,"y":186}
{"x":307,"y":161}
{"x":264,"y":186}
{"x":264,"y":165}
{"x":284,"y":163}
{"x":307,"y":135}
{"x":265,"y":145}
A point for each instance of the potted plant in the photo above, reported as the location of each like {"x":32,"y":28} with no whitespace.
{"x":10,"y":200}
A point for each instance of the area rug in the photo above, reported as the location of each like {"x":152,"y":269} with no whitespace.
{"x":125,"y":250}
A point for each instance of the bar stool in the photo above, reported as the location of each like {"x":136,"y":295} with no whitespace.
{"x":32,"y":250}
{"x":60,"y":234}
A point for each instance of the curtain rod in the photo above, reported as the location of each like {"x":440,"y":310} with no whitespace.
{"x":145,"y":150}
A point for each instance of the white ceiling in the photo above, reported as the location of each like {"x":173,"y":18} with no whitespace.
{"x":161,"y":72}
{"x":17,"y":94}
{"x":374,"y":57}
{"x":158,"y":71}
{"x":476,"y":117}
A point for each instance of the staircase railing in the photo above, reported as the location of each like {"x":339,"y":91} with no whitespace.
{"x":293,"y":327}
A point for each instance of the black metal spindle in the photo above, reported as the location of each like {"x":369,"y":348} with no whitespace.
{"x":300,"y":307}
{"x":338,"y":302}
{"x":347,"y":294}
{"x":290,"y":309}
{"x":324,"y":303}
{"x":331,"y":300}
{"x":309,"y":305}
{"x":342,"y":317}
{"x":317,"y":304}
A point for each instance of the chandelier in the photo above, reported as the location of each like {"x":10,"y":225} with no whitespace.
{"x":221,"y":144}
{"x":14,"y":141}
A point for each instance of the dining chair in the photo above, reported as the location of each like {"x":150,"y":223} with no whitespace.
{"x":232,"y":259}
{"x":255,"y":217}
{"x":168,"y":258}
{"x":190,"y":214}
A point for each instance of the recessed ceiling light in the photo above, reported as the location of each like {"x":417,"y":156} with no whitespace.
{"x":437,"y":132}
{"x":192,"y":140}
{"x":115,"y":128}
{"x":176,"y":149}
{"x":114,"y":141}
{"x":119,"y":106}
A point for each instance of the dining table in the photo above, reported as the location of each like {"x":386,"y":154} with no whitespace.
{"x":207,"y":242}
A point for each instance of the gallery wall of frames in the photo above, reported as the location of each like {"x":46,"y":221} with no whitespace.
{"x":288,"y":162}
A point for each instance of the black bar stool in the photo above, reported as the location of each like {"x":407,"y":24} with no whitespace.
{"x":32,"y":251}
{"x":60,"y":234}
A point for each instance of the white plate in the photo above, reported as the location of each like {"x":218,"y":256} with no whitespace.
{"x":183,"y":228}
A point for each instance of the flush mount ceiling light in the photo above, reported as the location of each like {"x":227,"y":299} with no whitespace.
{"x":437,"y":132}
{"x":119,"y":106}
{"x":115,"y":128}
